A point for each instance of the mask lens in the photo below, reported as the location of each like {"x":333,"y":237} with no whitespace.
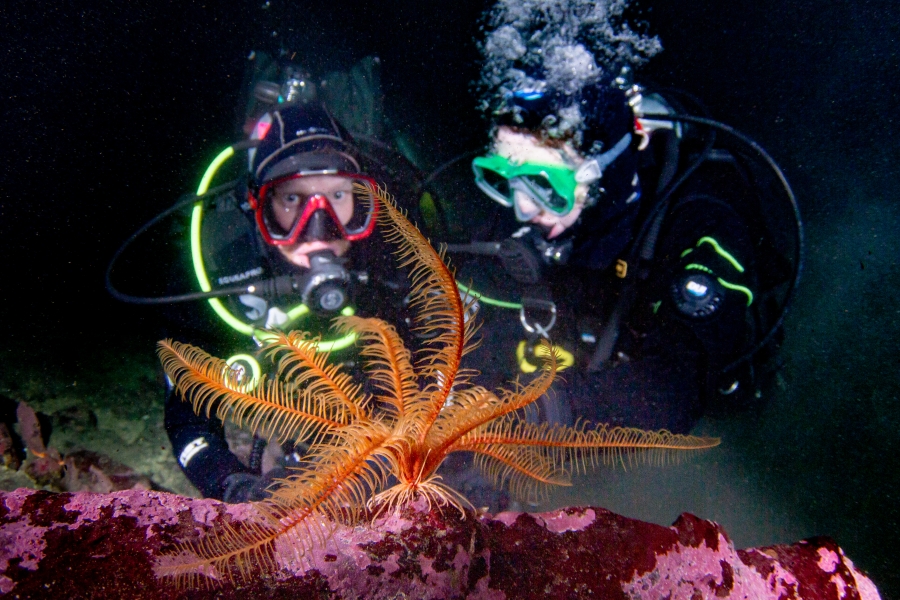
{"x":492,"y":183}
{"x":289,"y":206}
{"x":543,"y":193}
{"x":363,"y":209}
{"x":498,"y":183}
{"x":552,"y":187}
{"x":280,"y":214}
{"x":548,"y":197}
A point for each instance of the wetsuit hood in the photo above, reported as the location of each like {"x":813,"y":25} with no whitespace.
{"x":606,"y":225}
{"x":603,"y":118}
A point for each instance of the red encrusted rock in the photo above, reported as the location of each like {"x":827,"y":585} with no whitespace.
{"x":107,"y":545}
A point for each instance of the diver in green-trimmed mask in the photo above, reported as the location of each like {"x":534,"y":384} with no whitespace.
{"x":657,"y":255}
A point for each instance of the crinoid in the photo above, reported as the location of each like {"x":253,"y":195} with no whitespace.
{"x":377,"y":451}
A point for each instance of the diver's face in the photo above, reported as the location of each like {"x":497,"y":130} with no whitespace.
{"x":288,"y":201}
{"x":522,"y":147}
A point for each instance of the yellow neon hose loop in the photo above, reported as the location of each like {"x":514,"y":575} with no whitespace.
{"x":738,"y":288}
{"x":196,"y":252}
{"x":721,"y":252}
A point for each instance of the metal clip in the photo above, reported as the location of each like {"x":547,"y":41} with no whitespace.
{"x":534,"y":326}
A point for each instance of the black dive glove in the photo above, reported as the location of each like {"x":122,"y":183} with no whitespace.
{"x":459,"y":473}
{"x":250,"y":487}
{"x":247,"y":487}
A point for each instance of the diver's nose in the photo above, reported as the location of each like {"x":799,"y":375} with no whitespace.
{"x":526,"y":209}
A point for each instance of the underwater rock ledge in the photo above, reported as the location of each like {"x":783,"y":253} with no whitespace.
{"x":86,"y":545}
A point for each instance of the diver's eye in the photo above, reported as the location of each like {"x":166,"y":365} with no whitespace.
{"x":338,"y":195}
{"x":291,"y":199}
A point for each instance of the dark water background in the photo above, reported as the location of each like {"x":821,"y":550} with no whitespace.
{"x":111,"y":110}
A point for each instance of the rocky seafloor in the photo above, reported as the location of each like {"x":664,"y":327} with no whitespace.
{"x":117,"y":491}
{"x":124,"y":544}
{"x":105,"y":409}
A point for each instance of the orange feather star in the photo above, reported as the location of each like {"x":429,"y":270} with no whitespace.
{"x":379,"y":451}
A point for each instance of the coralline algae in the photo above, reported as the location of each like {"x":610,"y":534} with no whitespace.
{"x":106,"y":545}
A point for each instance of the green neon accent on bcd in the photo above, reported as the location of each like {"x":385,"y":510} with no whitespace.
{"x":686,"y":252}
{"x":721,"y":252}
{"x":197,"y":254}
{"x":738,"y":288}
{"x":203,"y":280}
{"x":340,"y":343}
{"x":482,"y":298}
{"x":217,"y":162}
{"x":301,"y":310}
{"x":698,"y":267}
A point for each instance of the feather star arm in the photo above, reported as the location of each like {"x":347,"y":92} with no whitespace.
{"x":206,"y":382}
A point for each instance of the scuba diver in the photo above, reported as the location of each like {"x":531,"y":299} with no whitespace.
{"x":290,"y":244}
{"x":311,"y":232}
{"x":658,"y":256}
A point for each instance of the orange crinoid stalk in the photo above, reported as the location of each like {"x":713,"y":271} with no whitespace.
{"x":423,"y":408}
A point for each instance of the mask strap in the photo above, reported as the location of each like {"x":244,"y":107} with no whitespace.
{"x":592,"y":169}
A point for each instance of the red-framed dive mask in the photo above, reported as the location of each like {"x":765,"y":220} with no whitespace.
{"x":315,"y":207}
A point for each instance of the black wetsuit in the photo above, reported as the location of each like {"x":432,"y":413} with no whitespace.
{"x":234,"y":253}
{"x":664,"y":363}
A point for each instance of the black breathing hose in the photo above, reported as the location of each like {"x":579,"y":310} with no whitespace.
{"x":792,"y":199}
{"x":183,"y":202}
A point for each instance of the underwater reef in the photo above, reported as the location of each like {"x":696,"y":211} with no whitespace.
{"x":368,"y":516}
{"x":381,"y":451}
{"x":87,"y":545}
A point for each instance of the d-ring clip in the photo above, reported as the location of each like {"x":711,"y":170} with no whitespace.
{"x":534,"y":326}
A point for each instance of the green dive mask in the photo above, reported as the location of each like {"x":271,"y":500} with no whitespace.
{"x":551,"y":187}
